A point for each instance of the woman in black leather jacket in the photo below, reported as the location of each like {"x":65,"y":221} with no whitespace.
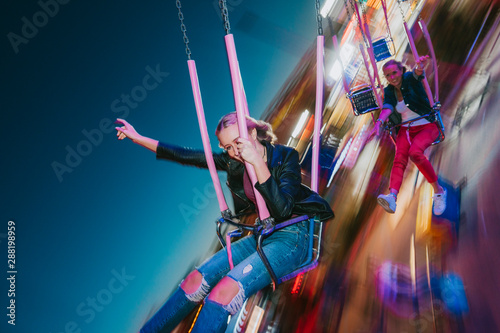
{"x":279,"y":182}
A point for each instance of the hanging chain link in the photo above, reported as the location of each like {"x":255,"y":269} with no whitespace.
{"x":319,"y":19}
{"x":347,"y":10}
{"x":183,"y":29}
{"x":385,"y":9}
{"x":225,"y":16}
{"x":401,"y":10}
{"x":358,"y":20}
{"x":365,"y":19}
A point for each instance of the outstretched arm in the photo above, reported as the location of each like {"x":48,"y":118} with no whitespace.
{"x":128,"y":131}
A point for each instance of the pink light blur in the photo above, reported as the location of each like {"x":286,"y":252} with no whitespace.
{"x":416,"y":56}
{"x":337,"y":51}
{"x":372,"y":56}
{"x":241,"y":106}
{"x":372,"y":81}
{"x":204,"y":135}
{"x":318,"y":115}
{"x":427,"y":37}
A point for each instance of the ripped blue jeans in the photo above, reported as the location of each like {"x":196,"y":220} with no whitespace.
{"x":285,"y":249}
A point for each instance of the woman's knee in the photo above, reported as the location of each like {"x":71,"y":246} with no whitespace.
{"x":192,"y":282}
{"x":228,"y":293}
{"x":417,"y":156}
{"x":224,"y":292}
{"x":195,"y":287}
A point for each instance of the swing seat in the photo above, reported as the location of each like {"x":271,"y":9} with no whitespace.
{"x":314,"y":246}
{"x":435,"y":112}
{"x":381,"y":48}
{"x":363,"y":99}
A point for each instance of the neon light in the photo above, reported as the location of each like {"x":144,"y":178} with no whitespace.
{"x":339,"y":56}
{"x":327,"y":7}
{"x":297,"y":284}
{"x":300,"y":124}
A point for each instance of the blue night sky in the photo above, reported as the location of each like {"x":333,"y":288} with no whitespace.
{"x":101,"y":238}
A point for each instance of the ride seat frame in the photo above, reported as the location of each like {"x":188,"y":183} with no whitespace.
{"x":435,"y":112}
{"x":261,"y":231}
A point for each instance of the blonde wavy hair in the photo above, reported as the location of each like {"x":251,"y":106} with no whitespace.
{"x":264,"y":129}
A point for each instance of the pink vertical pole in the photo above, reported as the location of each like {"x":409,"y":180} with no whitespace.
{"x":427,"y":37}
{"x":384,"y":7}
{"x":240,"y":110}
{"x":337,"y":50}
{"x":245,"y":103}
{"x":372,"y":81}
{"x":318,"y":115}
{"x":372,"y":55}
{"x":359,"y":16}
{"x":416,"y":56}
{"x":204,"y":135}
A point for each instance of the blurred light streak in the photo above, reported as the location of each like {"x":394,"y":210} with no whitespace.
{"x":327,"y":7}
{"x":339,"y":161}
{"x":255,"y":319}
{"x":300,"y":124}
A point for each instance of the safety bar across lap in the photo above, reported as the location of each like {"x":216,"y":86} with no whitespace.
{"x":434,"y":113}
{"x":261,"y":232}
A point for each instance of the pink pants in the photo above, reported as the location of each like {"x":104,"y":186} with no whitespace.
{"x":412,"y":143}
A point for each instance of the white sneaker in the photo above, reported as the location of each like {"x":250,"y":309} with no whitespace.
{"x":388,"y":202}
{"x":439,"y":203}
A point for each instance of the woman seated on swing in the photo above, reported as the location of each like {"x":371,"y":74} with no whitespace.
{"x":279,"y":181}
{"x":405,"y":99}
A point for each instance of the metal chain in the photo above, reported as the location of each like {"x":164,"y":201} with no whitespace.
{"x":225,"y":16}
{"x":401,"y":10}
{"x":183,"y":29}
{"x":358,"y":20}
{"x":319,"y":19}
{"x":365,"y":18}
{"x":347,"y":10}
{"x":384,"y":4}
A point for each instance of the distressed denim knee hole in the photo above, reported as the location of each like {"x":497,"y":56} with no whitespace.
{"x":237,"y":302}
{"x":200,"y":294}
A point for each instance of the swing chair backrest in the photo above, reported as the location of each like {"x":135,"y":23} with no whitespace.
{"x":382,"y":49}
{"x":314,"y":247}
{"x":363,"y":99}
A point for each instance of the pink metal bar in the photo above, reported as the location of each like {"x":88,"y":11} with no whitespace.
{"x":228,"y":250}
{"x":372,"y":81}
{"x":360,"y":22}
{"x":204,"y":135}
{"x":384,"y":7}
{"x":372,"y":56}
{"x":240,"y":110}
{"x":427,"y":37}
{"x":416,"y":56}
{"x":318,"y":115}
{"x":337,"y":51}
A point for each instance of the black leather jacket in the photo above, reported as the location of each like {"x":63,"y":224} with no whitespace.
{"x":283,"y":192}
{"x":414,"y":96}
